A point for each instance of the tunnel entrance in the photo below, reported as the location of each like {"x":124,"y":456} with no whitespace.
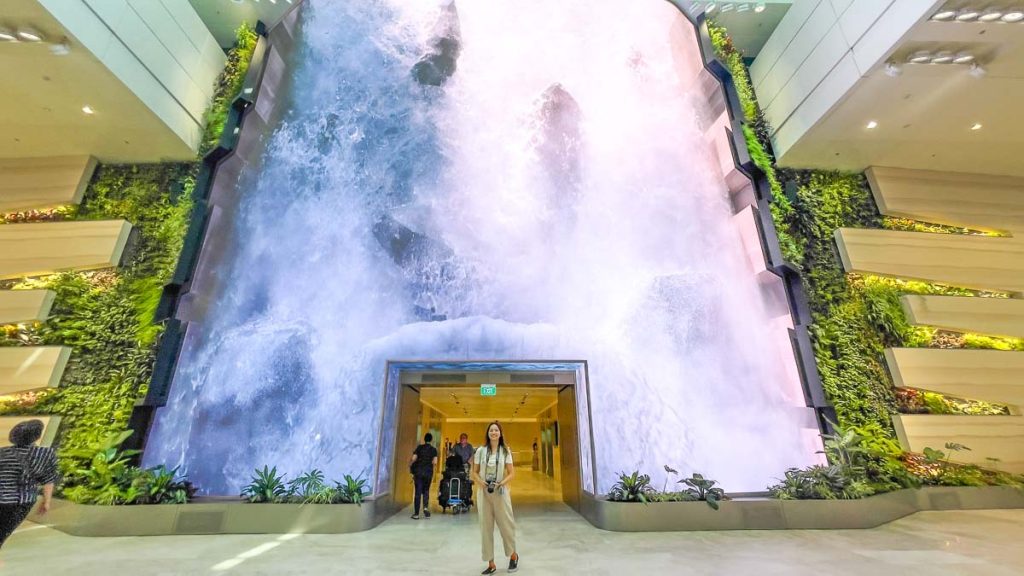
{"x":543,"y":409}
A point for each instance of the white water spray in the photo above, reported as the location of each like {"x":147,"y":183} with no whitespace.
{"x":620,"y":250}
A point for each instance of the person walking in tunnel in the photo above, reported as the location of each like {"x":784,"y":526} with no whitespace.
{"x":492,"y":472}
{"x":422,"y":464}
{"x":23,"y":469}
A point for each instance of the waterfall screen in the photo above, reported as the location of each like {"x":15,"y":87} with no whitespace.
{"x":498,"y":180}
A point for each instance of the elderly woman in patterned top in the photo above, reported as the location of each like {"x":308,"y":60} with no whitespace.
{"x":23,"y":469}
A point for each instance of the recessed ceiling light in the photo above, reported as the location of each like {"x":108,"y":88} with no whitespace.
{"x":967,"y":15}
{"x":88,"y":109}
{"x":963,"y":58}
{"x":30,"y":35}
{"x":872,"y":125}
{"x":1015,"y":15}
{"x":943,"y":57}
{"x":920,"y":57}
{"x":976,"y":126}
{"x":710,"y":7}
{"x":759,"y":8}
{"x":990,"y":15}
{"x":944,"y":15}
{"x":6,"y":35}
{"x":745,"y":7}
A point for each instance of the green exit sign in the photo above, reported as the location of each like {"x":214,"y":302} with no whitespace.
{"x":488,"y":389}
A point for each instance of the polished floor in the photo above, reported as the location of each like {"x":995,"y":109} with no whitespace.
{"x":552,"y":540}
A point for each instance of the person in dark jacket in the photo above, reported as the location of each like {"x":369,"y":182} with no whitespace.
{"x":23,"y":469}
{"x":422,"y":465}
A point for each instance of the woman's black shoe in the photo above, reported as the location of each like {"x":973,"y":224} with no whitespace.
{"x":490,"y":570}
{"x":513,"y":564}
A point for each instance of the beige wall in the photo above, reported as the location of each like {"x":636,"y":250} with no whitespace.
{"x":159,"y":49}
{"x":48,"y":247}
{"x":146,"y":67}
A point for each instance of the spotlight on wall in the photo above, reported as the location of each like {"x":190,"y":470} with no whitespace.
{"x":976,"y":126}
{"x":88,"y":110}
{"x":920,"y":57}
{"x":872,"y":125}
{"x":967,"y":15}
{"x":893,"y":69}
{"x":760,"y":7}
{"x":963,"y":58}
{"x":30,"y":35}
{"x":990,"y":15}
{"x":944,"y":15}
{"x":1015,"y":15}
{"x":6,"y":35}
{"x":977,"y":71}
{"x":943,"y":57}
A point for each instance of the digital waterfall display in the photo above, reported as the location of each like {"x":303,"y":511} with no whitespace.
{"x":486,"y":180}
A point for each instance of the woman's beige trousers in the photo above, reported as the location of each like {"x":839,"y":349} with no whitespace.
{"x":495,"y":508}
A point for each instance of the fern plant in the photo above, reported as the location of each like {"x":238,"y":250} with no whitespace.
{"x":266,"y":486}
{"x":635,"y":487}
{"x":351,"y":490}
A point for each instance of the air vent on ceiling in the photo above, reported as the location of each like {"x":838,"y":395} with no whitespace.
{"x":533,"y":378}
{"x":442,"y":378}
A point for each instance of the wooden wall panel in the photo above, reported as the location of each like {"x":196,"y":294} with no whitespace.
{"x":979,"y":262}
{"x":988,"y":375}
{"x":18,"y":306}
{"x":999,"y":437}
{"x":24,"y":368}
{"x":50,"y":423}
{"x":991,"y":316}
{"x":978,"y":201}
{"x":44,"y":248}
{"x":33,"y":183}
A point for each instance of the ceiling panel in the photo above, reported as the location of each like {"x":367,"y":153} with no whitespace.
{"x":41,"y":105}
{"x":925,"y":115}
{"x":510,"y":402}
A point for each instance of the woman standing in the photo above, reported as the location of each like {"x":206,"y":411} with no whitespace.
{"x":492,"y":472}
{"x":23,"y":468}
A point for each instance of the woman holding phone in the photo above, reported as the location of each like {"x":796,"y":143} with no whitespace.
{"x":492,"y":471}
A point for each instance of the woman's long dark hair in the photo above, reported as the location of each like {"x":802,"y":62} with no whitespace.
{"x":501,"y":438}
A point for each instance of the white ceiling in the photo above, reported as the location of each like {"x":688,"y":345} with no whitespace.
{"x":749,"y":30}
{"x":925,"y":115}
{"x":511,"y":401}
{"x":222,"y":17}
{"x":43,"y":95}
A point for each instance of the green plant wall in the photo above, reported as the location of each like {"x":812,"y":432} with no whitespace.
{"x":854,"y":318}
{"x":106,"y":316}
